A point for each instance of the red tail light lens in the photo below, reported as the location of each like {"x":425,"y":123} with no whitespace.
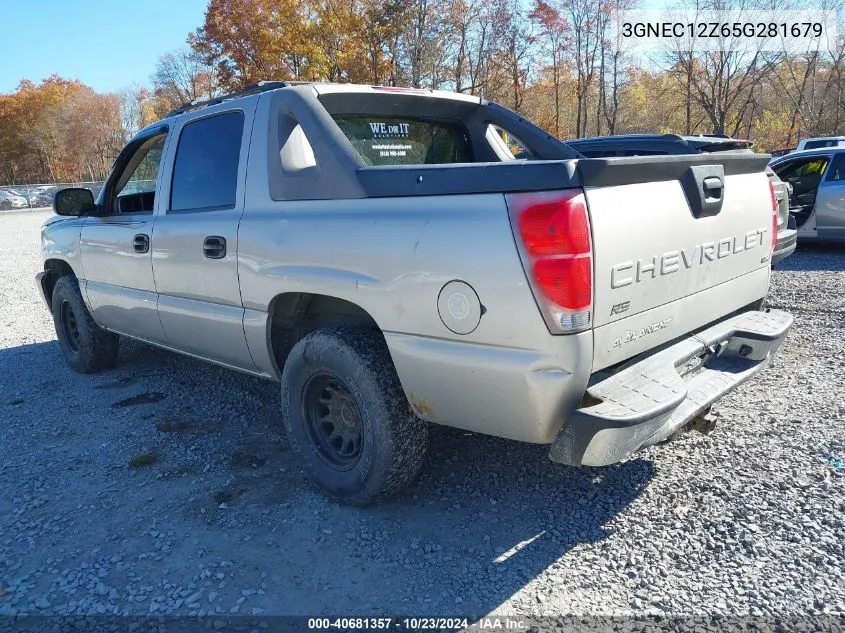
{"x":553,"y":234}
{"x":556,"y":227}
{"x":566,"y":282}
{"x":774,"y":215}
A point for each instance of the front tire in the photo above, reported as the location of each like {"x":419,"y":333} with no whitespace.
{"x":86,"y":346}
{"x":347,"y":417}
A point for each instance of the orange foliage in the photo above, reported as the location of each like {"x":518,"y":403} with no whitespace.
{"x":58,"y":130}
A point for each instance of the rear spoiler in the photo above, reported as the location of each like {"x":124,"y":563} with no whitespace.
{"x":608,"y":172}
{"x":543,"y":175}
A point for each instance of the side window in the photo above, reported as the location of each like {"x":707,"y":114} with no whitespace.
{"x":205,"y":172}
{"x":514,"y":145}
{"x":804,"y":175}
{"x":836,"y":173}
{"x":817,"y":144}
{"x":803,"y":168}
{"x":135,"y":188}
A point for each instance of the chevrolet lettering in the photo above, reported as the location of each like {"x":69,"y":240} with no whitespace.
{"x":630,"y":272}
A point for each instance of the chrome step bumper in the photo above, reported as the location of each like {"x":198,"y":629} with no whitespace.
{"x":648,"y":401}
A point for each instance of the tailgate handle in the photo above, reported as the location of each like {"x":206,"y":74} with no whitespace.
{"x":712,"y":188}
{"x":704,"y":187}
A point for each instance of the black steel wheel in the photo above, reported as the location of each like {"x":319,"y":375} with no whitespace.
{"x":347,"y":417}
{"x":333,"y":420}
{"x":70,"y":327}
{"x":86,"y":346}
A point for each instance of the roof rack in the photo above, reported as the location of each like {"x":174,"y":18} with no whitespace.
{"x":256,"y":88}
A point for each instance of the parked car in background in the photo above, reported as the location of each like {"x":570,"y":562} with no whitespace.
{"x":817,"y":177}
{"x":654,"y":145}
{"x":11,"y":200}
{"x":41,"y":195}
{"x":674,"y":144}
{"x":821,"y":141}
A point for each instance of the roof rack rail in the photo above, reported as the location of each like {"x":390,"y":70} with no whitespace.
{"x":256,"y":88}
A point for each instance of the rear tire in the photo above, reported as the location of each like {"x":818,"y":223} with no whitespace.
{"x":347,"y":417}
{"x":86,"y":346}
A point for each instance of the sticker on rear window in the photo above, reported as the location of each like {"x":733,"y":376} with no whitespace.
{"x":381,"y":129}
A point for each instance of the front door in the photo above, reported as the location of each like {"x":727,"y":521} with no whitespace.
{"x":115,"y":245}
{"x":830,"y":202}
{"x":195,"y":239}
{"x":805,"y":175}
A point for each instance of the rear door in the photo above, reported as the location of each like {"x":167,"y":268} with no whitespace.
{"x":678,"y":242}
{"x":195,"y":240}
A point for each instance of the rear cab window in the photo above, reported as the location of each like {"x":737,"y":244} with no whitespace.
{"x":384,"y":140}
{"x":404,"y":127}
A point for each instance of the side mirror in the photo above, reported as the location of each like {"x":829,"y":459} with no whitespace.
{"x":73,"y":201}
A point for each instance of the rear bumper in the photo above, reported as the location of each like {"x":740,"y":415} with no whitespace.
{"x":785,"y":246}
{"x":648,"y":401}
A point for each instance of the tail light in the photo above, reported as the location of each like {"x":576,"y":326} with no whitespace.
{"x":552,"y":232}
{"x":774,"y":215}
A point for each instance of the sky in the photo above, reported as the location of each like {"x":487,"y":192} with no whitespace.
{"x":106,"y":44}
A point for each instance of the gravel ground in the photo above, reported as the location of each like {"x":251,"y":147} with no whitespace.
{"x":165,"y":486}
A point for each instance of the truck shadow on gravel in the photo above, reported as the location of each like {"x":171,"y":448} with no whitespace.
{"x":487,"y":519}
{"x":811,"y":257}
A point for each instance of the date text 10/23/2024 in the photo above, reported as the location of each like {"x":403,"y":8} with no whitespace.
{"x":489,"y":623}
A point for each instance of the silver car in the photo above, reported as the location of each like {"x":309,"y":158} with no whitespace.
{"x":10,"y":200}
{"x":817,"y":203}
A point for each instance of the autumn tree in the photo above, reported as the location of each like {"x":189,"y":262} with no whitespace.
{"x":515,"y":53}
{"x":553,"y":28}
{"x":90,"y":124}
{"x":58,"y":130}
{"x":383,"y":24}
{"x":182,"y":75}
{"x":422,"y":51}
{"x":254,"y":40}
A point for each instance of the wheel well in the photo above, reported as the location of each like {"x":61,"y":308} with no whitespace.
{"x":295,"y":314}
{"x":54,"y":268}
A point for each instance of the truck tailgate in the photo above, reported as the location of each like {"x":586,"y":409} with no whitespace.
{"x":678,"y":242}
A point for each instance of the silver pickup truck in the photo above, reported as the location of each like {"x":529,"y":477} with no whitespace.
{"x":383,"y":254}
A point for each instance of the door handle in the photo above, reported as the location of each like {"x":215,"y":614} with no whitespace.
{"x":214,"y":247}
{"x":141,"y":243}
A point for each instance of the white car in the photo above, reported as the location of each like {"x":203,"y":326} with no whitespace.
{"x":10,"y":200}
{"x":819,"y":142}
